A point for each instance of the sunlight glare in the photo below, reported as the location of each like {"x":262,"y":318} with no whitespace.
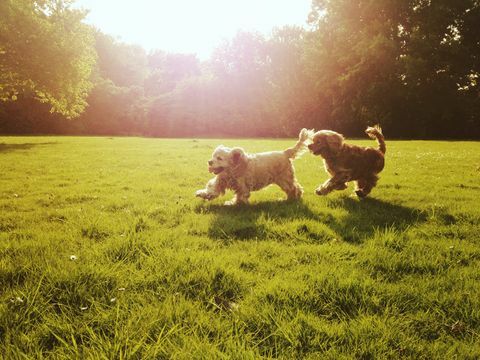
{"x":191,"y":26}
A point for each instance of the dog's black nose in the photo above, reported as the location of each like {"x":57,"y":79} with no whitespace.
{"x":310,"y":146}
{"x":210,"y":162}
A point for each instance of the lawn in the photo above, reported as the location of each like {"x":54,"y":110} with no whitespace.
{"x":105,"y":253}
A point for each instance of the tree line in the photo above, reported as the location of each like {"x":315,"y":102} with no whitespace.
{"x":410,"y":65}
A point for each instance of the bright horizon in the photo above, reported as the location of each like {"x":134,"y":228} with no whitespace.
{"x":189,"y":26}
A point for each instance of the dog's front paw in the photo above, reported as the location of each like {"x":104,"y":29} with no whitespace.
{"x":360,"y":194}
{"x":230,"y":202}
{"x":321,"y":191}
{"x":200,"y":193}
{"x":204,"y":194}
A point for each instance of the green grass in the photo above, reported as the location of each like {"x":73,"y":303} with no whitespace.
{"x":161,"y":274}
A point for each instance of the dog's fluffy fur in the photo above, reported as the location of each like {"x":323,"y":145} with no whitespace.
{"x":345,"y":162}
{"x":242,"y":172}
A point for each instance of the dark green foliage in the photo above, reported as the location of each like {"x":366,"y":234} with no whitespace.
{"x":412,"y":66}
{"x":46,"y":52}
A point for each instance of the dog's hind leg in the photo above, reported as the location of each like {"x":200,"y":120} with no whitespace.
{"x":288,"y":183}
{"x":293,"y":189}
{"x":364,"y":186}
{"x":297,"y":192}
{"x":241,"y":195}
{"x":238,"y":199}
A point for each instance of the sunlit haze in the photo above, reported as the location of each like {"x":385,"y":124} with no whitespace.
{"x":190,"y":26}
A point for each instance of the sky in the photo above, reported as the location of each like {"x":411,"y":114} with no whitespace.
{"x":190,"y":26}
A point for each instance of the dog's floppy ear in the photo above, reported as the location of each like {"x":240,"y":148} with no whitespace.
{"x":237,"y":156}
{"x":238,"y":159}
{"x":334,"y":141}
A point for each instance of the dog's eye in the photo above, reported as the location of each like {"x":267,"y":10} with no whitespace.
{"x":219,"y":158}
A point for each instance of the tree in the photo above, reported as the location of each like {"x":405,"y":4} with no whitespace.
{"x":412,"y":65}
{"x":124,"y":64}
{"x":352,"y":54}
{"x":440,"y":53}
{"x":116,"y":104}
{"x":291,"y":98}
{"x":178,"y":94}
{"x":46,"y":49}
{"x":167,"y":70}
{"x":113,"y":109}
{"x":240,"y":70}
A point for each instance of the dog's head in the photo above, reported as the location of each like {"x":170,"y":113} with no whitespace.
{"x":224,"y":158}
{"x":326,"y":143}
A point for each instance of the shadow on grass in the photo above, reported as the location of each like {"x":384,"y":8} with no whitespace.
{"x":365,"y":216}
{"x":244,"y":222}
{"x":26,"y":146}
{"x":358,"y":220}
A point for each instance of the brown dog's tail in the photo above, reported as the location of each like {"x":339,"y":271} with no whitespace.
{"x":375,"y":132}
{"x":301,"y":146}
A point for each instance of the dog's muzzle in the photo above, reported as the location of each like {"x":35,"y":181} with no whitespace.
{"x":215,"y":170}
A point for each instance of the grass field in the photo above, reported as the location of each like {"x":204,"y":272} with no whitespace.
{"x":105,"y":253}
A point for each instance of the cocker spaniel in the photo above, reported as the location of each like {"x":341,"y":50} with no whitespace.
{"x":346,"y":162}
{"x":243,"y":173}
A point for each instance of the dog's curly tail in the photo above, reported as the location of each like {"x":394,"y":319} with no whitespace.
{"x":301,"y":145}
{"x":375,"y":132}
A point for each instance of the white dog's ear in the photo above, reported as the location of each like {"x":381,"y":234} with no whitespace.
{"x":238,"y":156}
{"x":334,"y":141}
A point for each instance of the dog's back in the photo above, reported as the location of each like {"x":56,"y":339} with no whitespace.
{"x":266,"y":167}
{"x":359,"y":161}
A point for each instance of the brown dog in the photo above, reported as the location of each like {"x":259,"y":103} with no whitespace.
{"x":345,"y":162}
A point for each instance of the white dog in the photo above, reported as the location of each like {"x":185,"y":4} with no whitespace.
{"x":243,"y":173}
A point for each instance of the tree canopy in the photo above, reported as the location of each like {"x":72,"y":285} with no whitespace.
{"x":411,"y":65}
{"x":47,"y":50}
